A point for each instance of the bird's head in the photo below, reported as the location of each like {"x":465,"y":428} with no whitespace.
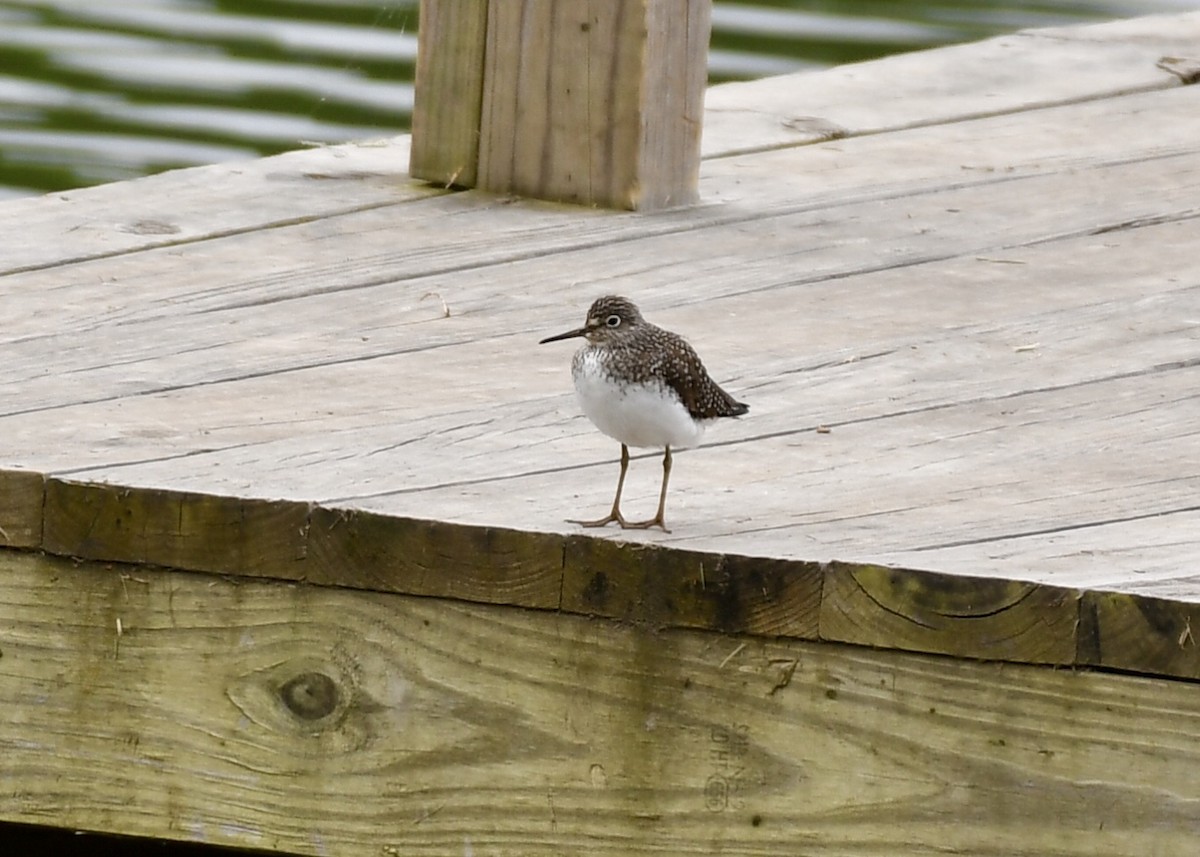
{"x":609,"y":319}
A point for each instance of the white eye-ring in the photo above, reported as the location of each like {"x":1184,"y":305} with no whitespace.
{"x":613,"y":321}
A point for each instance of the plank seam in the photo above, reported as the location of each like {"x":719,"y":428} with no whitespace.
{"x":1172,"y":79}
{"x":1066,"y":528}
{"x":227,"y":233}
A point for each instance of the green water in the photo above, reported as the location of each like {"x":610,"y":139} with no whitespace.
{"x":92,"y":91}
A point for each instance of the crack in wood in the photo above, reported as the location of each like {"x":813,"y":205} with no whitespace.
{"x":987,"y":614}
{"x":887,"y":608}
{"x":426,"y":435}
{"x":1140,"y":222}
{"x":282,"y":223}
{"x":137,"y":462}
{"x":857,"y":358}
{"x":1062,"y":529}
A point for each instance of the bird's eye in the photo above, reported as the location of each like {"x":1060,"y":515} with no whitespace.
{"x":613,"y":321}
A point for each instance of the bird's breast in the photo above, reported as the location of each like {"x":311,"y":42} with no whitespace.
{"x":645,"y":412}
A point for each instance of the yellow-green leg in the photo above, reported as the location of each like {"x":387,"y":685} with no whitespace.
{"x":658,"y":520}
{"x":615,"y":514}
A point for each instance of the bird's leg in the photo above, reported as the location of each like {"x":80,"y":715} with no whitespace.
{"x":615,"y":514}
{"x":658,"y":520}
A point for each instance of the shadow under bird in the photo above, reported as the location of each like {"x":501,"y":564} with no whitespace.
{"x":643,"y":386}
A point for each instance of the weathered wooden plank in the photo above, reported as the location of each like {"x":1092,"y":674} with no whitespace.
{"x":348,"y":548}
{"x":423,"y":557}
{"x":180,"y":206}
{"x":317,"y":721}
{"x":651,"y":586}
{"x":921,"y":480}
{"x":987,"y":509}
{"x":201,"y":532}
{"x":1004,"y":620}
{"x":21,"y":496}
{"x":1032,"y":69}
{"x":1148,"y":554}
{"x":449,"y":91}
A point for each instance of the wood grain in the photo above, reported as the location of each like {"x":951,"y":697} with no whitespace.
{"x":1140,"y":634}
{"x":595,"y":103}
{"x":949,"y":614}
{"x":178,"y":207}
{"x":314,"y":720}
{"x":483,"y":564}
{"x":672,"y":103}
{"x":21,"y":498}
{"x":449,"y":92}
{"x":1031,"y":69}
{"x":963,"y":402}
{"x":652,"y":587}
{"x":656,"y":587}
{"x":884,"y":187}
{"x":237,"y":334}
{"x":200,"y":532}
{"x":311,"y":368}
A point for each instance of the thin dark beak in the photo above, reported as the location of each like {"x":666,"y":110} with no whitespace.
{"x":570,"y":334}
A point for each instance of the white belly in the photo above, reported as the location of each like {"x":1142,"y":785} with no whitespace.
{"x":641,"y":415}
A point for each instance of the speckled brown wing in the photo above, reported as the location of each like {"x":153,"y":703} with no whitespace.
{"x":684,"y":372}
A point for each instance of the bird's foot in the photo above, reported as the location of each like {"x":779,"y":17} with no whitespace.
{"x":615,"y":515}
{"x":656,"y":521}
{"x":602,"y":522}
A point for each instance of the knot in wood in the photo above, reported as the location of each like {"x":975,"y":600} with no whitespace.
{"x":310,"y":695}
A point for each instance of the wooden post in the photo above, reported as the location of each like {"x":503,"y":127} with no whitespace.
{"x":449,"y":86}
{"x":595,"y":102}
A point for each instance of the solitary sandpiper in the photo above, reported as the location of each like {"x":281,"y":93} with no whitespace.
{"x":643,"y":386}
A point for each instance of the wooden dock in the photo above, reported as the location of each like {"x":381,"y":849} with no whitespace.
{"x":284,"y":477}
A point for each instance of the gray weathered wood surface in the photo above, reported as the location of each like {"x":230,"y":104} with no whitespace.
{"x":986,"y":286}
